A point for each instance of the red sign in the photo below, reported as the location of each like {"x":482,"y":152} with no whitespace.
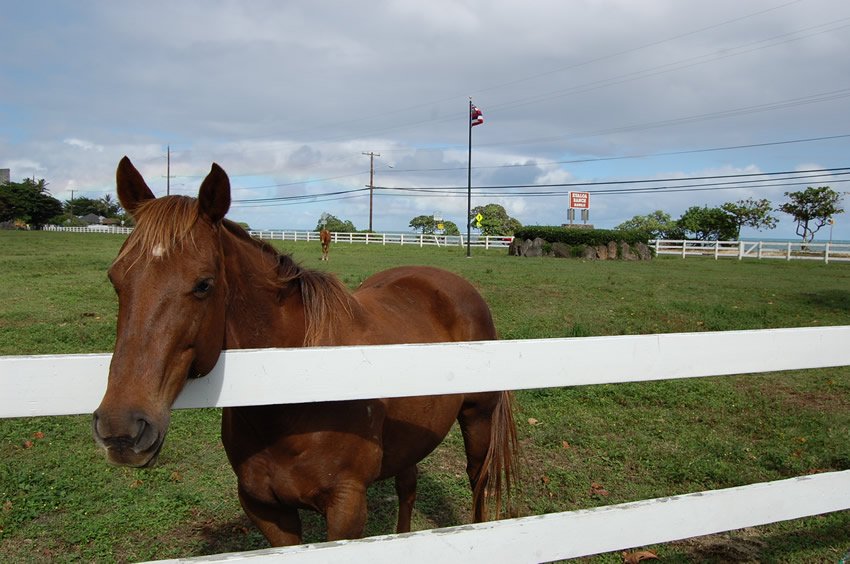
{"x":580,"y":200}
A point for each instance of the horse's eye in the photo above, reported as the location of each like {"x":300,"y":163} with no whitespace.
{"x":203,"y":287}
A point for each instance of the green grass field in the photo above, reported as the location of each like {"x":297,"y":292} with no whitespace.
{"x":60,"y":500}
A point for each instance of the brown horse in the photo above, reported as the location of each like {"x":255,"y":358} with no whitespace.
{"x":325,"y":238}
{"x":191,"y":283}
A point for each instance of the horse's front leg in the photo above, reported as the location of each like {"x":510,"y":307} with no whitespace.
{"x":405,"y":488}
{"x":280,"y":525}
{"x":346,"y":511}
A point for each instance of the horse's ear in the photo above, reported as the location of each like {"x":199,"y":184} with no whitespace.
{"x":214,"y":195}
{"x":132,"y":189}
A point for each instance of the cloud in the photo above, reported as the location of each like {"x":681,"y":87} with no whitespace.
{"x":288,"y":97}
{"x":84,"y":145}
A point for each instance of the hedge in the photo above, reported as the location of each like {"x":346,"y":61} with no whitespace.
{"x":593,"y":237}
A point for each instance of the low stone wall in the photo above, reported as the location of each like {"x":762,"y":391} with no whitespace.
{"x":612,"y":251}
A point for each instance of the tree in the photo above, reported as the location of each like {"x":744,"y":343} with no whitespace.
{"x":658,"y":224}
{"x":812,"y":209}
{"x":333,"y":223}
{"x":108,"y":207}
{"x":495,"y":220}
{"x":426,"y":224}
{"x":450,"y":228}
{"x":84,"y":206}
{"x":708,"y":224}
{"x":29,"y":202}
{"x":750,"y":213}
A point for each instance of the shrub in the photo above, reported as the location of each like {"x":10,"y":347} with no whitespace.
{"x":593,"y":237}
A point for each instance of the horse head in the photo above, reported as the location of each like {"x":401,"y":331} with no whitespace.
{"x":171,"y":286}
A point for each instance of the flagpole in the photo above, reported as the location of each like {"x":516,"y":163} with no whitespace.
{"x":469,"y":183}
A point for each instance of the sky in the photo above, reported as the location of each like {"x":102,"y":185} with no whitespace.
{"x":642,"y":104}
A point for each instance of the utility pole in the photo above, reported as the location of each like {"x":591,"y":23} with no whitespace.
{"x":168,"y":170}
{"x":371,"y":156}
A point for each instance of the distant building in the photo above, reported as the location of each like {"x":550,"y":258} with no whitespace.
{"x":92,"y":219}
{"x":5,"y":175}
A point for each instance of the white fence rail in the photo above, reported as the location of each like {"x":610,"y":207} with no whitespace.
{"x":69,"y":384}
{"x":784,"y":250}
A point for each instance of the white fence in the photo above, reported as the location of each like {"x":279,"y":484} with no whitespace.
{"x":417,"y":239}
{"x":90,"y":229}
{"x":785,"y":250}
{"x":72,"y":384}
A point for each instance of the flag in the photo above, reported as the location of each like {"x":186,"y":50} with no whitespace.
{"x":475,"y":116}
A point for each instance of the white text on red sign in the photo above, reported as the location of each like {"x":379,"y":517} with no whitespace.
{"x":580,"y":200}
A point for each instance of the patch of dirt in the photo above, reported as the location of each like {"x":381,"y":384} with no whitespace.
{"x":739,"y":546}
{"x":796,"y":398}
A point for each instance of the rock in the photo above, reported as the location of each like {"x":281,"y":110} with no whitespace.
{"x":626,"y":251}
{"x":643,"y":251}
{"x":561,"y":250}
{"x":514,"y":248}
{"x":613,"y":250}
{"x":601,"y":252}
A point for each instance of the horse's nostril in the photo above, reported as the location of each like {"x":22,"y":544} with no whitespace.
{"x":96,"y":429}
{"x":141,"y":425}
{"x":131,"y":430}
{"x":146,"y":435}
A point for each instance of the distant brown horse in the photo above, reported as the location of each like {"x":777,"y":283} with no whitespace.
{"x":191,"y":283}
{"x":325,"y":237}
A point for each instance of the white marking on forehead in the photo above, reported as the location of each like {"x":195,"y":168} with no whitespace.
{"x":158,"y":251}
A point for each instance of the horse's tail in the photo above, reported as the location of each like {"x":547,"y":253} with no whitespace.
{"x":500,"y":469}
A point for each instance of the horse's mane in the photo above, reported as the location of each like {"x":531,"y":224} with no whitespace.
{"x":164,"y":224}
{"x":326,"y":299}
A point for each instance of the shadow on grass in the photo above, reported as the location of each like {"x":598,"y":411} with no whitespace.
{"x":775,"y":543}
{"x":434,"y":505}
{"x":828,"y":299}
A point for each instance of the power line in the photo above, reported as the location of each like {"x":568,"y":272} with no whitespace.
{"x":621,"y":191}
{"x":636,"y":156}
{"x":569,"y":161}
{"x":724,"y":53}
{"x":736,"y":181}
{"x":635,"y":75}
{"x":317,"y":199}
{"x":817,"y":172}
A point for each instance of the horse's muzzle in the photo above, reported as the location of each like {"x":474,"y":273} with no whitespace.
{"x":129,"y":440}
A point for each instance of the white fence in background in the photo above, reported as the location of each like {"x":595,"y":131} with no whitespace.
{"x":784,"y":250}
{"x":90,"y":229}
{"x":417,"y":239}
{"x":72,"y":384}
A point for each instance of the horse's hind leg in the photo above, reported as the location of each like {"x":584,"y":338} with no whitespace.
{"x":475,"y":419}
{"x":405,"y":487}
{"x":279,"y":524}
